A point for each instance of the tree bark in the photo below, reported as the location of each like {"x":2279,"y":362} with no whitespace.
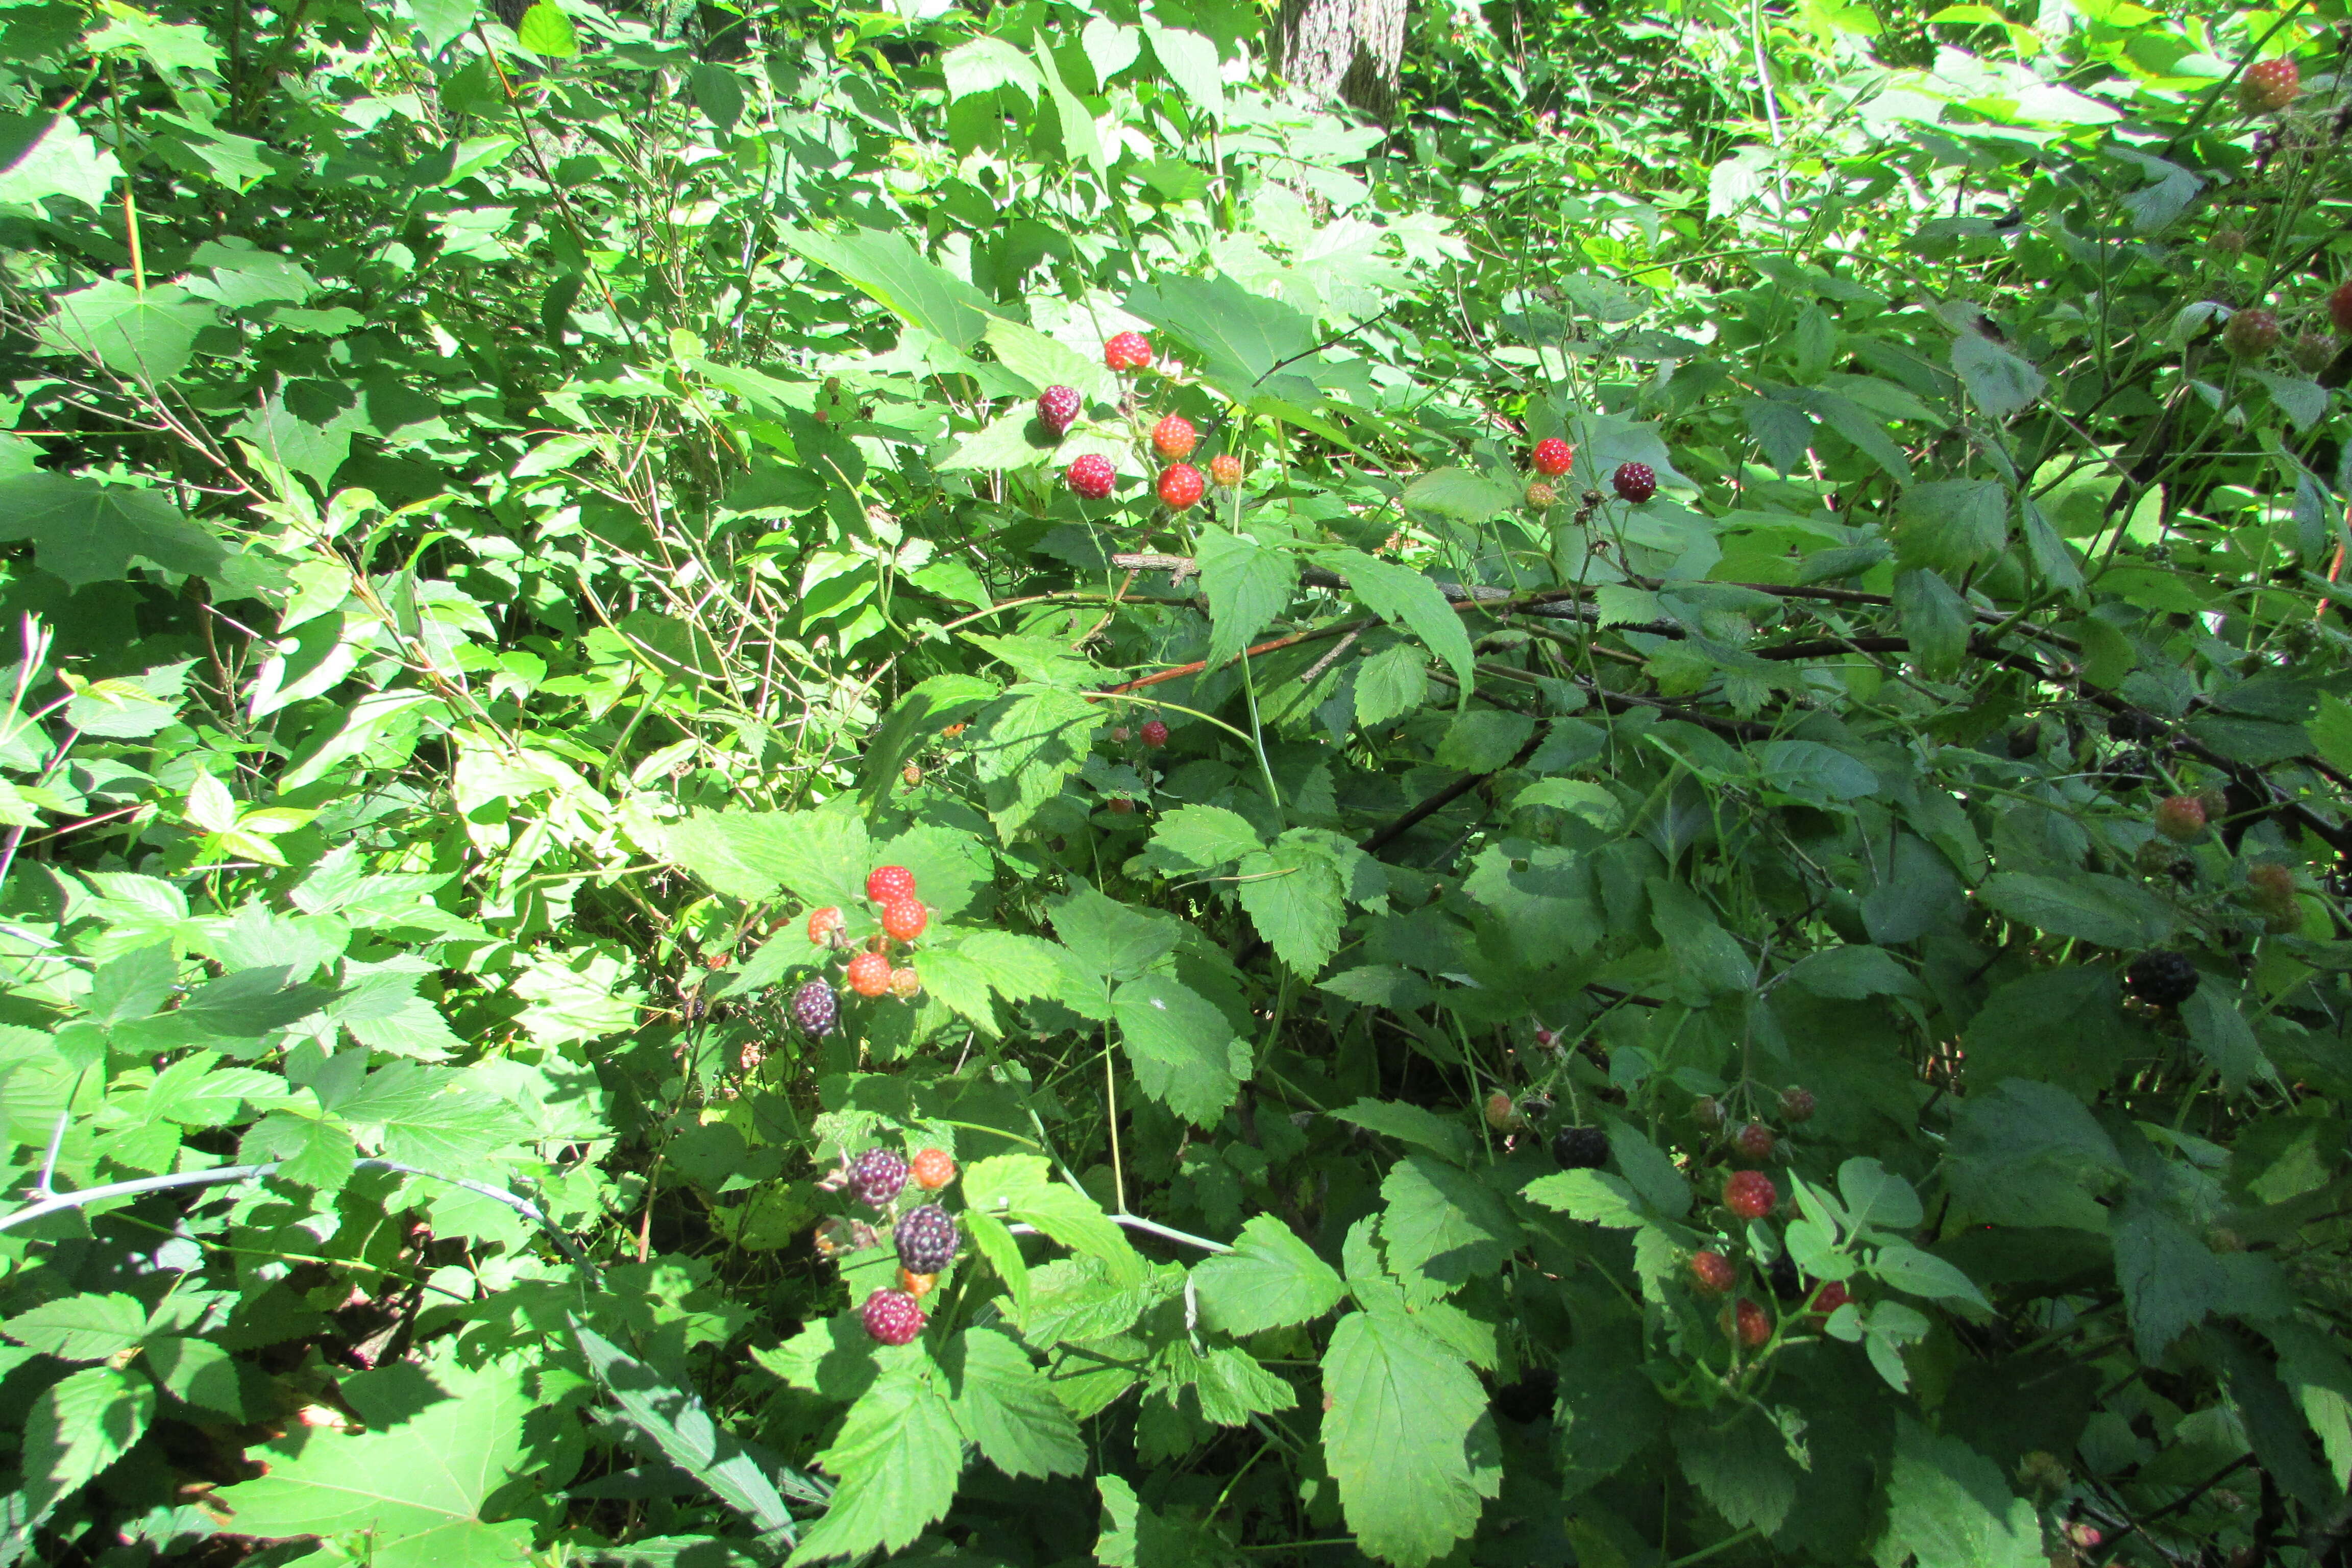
{"x":1345,"y":48}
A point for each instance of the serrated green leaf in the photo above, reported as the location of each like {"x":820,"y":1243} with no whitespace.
{"x":1443,"y":1223}
{"x":1948,"y":1506}
{"x":1248,"y":583}
{"x":1270,"y":1278}
{"x":1181,"y":1050}
{"x":87,"y":532}
{"x":1004,"y":1405}
{"x":81,"y":1328}
{"x":78,"y":1427}
{"x":897,"y":1460}
{"x":1398,"y":1412}
{"x":1296,"y":899}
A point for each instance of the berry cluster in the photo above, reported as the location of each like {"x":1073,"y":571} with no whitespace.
{"x":925,"y":1236}
{"x":816,"y":1006}
{"x":1173,"y":440}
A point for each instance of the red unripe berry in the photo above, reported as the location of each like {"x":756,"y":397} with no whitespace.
{"x":906,"y":985}
{"x":1092,"y":476}
{"x":869,"y":974}
{"x":1155,"y":733}
{"x":2339,"y":307}
{"x":1180,"y":485}
{"x":2181,"y":818}
{"x":1712,"y":1273}
{"x":2269,"y":86}
{"x":2251,"y":333}
{"x":1128,"y":351}
{"x":1120,"y":805}
{"x":1635,"y":482}
{"x":1553,"y":456}
{"x":1502,"y":1114}
{"x":1829,"y":1298}
{"x":892,"y":1316}
{"x":1748,"y":1322}
{"x":1797,"y":1104}
{"x":1174,"y":437}
{"x":1754,"y":1141}
{"x":904,"y":919}
{"x":1750,"y":1195}
{"x":1058,"y":409}
{"x":822,"y":923}
{"x":932,"y":1169}
{"x":885,"y":883}
{"x":2270,"y":884}
{"x":1226,"y":469}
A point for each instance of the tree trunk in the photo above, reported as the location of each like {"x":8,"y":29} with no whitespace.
{"x":1346,"y":48}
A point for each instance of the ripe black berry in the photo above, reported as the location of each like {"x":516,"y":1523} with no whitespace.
{"x":1783,"y":1276}
{"x":927,"y":1239}
{"x":1580,"y":1148}
{"x":815,"y":1008}
{"x":2162,"y":979}
{"x":1635,"y":482}
{"x":876,"y":1176}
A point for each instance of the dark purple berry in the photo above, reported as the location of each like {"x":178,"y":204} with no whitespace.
{"x":1580,"y":1148}
{"x":1635,"y":482}
{"x":876,"y":1176}
{"x":815,"y":1009}
{"x":1058,"y":407}
{"x":927,"y":1239}
{"x":892,"y":1316}
{"x":2162,"y":979}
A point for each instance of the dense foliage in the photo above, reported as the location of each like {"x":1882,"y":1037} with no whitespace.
{"x":680,"y":885}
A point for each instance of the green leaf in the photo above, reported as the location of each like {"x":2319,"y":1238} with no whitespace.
{"x":1271,"y":1279}
{"x":198,"y":1372}
{"x":1401,"y":596}
{"x":1948,"y":1506}
{"x":1409,"y":1124}
{"x":1935,"y":619}
{"x":2170,"y":1279}
{"x":983,"y":65}
{"x":1295,"y":898}
{"x":1396,"y":1427}
{"x":897,"y":1458}
{"x":1199,"y":838}
{"x":87,"y":532}
{"x":930,"y":705}
{"x":673,"y":1420}
{"x":2029,"y":1153}
{"x":2107,"y":910}
{"x":1999,"y":382}
{"x":1116,"y":940}
{"x":1029,"y":742}
{"x":546,"y":29}
{"x":1248,"y":585}
{"x":1039,"y":361}
{"x":1389,"y":684}
{"x":53,"y":158}
{"x":1708,"y":960}
{"x":1595,"y":1197}
{"x":1444,"y":1222}
{"x":2331,"y":732}
{"x":755,"y":855}
{"x":81,"y":1328}
{"x":1458,"y":495}
{"x":1921,"y":1273}
{"x":247,"y":1005}
{"x":898,"y":277}
{"x":417,"y":1485}
{"x":2218,"y":1027}
{"x":1876,"y":1196}
{"x":76,"y":1427}
{"x":148,"y":336}
{"x":1853,"y":973}
{"x":1739,"y":1463}
{"x":719,"y":93}
{"x":1481,"y":740}
{"x":1182,"y":1048}
{"x":437,"y":1117}
{"x":1005,"y":1407}
{"x":1080,"y":141}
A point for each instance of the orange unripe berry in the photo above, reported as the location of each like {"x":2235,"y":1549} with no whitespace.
{"x":2181,"y":818}
{"x":931,"y":1168}
{"x":1750,"y":1195}
{"x":904,"y":919}
{"x":906,"y":985}
{"x":916,"y":1285}
{"x":822,"y":923}
{"x":1226,"y":469}
{"x":869,"y":974}
{"x":1174,"y":437}
{"x":1712,"y":1273}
